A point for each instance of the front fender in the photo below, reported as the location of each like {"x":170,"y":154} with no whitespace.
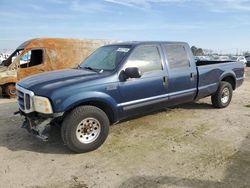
{"x":5,"y":79}
{"x":80,"y":98}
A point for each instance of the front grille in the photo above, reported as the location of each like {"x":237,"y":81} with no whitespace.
{"x":20,"y":99}
{"x":24,"y":98}
{"x":27,"y":101}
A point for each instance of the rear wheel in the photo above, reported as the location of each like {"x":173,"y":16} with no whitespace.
{"x":10,"y":90}
{"x":85,"y":129}
{"x":223,"y":96}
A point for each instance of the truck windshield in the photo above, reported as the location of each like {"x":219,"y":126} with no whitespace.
{"x":12,"y":57}
{"x":106,"y":57}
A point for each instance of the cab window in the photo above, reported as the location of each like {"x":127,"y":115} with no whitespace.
{"x":177,"y":56}
{"x":146,"y":58}
{"x":31,"y":58}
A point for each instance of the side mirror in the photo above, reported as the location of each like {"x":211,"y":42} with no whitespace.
{"x":130,"y":72}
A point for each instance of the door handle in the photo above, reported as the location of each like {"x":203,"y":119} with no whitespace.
{"x":192,"y":75}
{"x":165,"y":81}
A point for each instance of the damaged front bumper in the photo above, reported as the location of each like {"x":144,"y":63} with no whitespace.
{"x":40,"y":128}
{"x":39,"y":124}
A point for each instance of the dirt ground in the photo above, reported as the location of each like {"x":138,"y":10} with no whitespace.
{"x":191,"y":145}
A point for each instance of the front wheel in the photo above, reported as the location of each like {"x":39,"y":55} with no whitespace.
{"x":85,"y":129}
{"x":10,"y":90}
{"x":223,"y":96}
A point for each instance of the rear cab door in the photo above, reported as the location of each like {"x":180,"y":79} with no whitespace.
{"x":182,"y":82}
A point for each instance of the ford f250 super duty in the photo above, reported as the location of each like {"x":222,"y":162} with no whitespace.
{"x":119,"y":81}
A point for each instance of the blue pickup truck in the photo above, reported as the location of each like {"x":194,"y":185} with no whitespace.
{"x":119,"y":81}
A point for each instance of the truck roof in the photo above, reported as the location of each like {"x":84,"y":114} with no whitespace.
{"x":135,"y":43}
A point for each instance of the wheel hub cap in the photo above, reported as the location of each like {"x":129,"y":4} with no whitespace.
{"x":88,"y":130}
{"x":13,"y":91}
{"x":225,"y":95}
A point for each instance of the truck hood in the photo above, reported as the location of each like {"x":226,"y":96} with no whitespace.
{"x":49,"y":81}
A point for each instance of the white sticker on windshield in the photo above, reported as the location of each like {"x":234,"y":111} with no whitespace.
{"x":123,"y":49}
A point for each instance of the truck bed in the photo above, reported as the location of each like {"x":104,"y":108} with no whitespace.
{"x":202,"y":63}
{"x":211,"y":74}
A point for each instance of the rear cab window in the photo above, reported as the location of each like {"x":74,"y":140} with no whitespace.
{"x":177,"y":56}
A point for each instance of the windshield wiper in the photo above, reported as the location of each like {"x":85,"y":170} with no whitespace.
{"x":90,"y":68}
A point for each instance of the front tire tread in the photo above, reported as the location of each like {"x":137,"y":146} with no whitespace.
{"x":71,"y":121}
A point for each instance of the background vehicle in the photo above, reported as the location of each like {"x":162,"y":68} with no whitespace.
{"x":3,"y":56}
{"x":248,"y":61}
{"x":224,"y":58}
{"x":44,"y":54}
{"x":202,"y":58}
{"x":119,"y":81}
{"x":241,"y":59}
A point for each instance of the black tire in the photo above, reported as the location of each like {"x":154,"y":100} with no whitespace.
{"x":1,"y":91}
{"x":217,"y":98}
{"x":74,"y":119}
{"x":10,"y":90}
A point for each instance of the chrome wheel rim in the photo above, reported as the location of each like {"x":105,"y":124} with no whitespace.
{"x":88,"y":130}
{"x":225,"y":95}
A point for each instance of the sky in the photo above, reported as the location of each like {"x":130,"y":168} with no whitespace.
{"x":211,"y":24}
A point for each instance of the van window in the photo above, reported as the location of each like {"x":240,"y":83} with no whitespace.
{"x":177,"y":56}
{"x":146,"y":58}
{"x":31,"y":58}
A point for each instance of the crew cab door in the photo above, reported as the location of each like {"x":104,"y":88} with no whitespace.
{"x":182,"y":73}
{"x":150,"y":90}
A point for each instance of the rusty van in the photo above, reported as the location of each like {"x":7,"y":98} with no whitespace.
{"x":44,"y":54}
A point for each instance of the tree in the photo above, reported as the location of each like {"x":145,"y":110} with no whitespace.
{"x":194,"y":49}
{"x":197,"y":51}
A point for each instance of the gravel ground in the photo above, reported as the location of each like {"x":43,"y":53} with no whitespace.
{"x":191,"y":145}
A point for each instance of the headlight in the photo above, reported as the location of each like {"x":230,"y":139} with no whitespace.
{"x":42,"y":105}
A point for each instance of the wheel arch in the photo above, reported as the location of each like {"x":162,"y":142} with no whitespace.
{"x":106,"y":106}
{"x":103,"y":106}
{"x":5,"y":86}
{"x":8,"y":83}
{"x":230,"y":78}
